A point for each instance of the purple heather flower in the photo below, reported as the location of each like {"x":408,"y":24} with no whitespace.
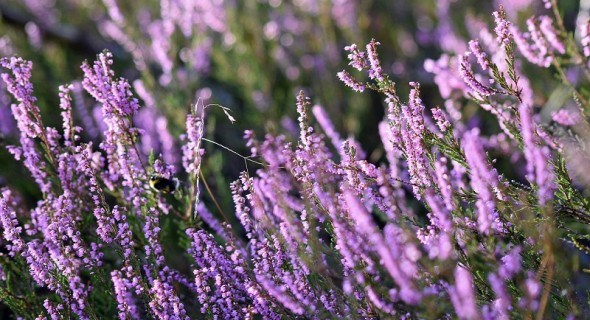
{"x":392,"y":142}
{"x":441,"y":119}
{"x":196,"y":16}
{"x":392,"y":197}
{"x":118,"y":107}
{"x":532,"y":290}
{"x":539,"y":40}
{"x":83,"y":111}
{"x":469,"y":77}
{"x":6,"y":46}
{"x":565,"y":117}
{"x":585,"y":39}
{"x":66,"y":114}
{"x":502,"y":304}
{"x":445,"y":33}
{"x":211,"y":221}
{"x":294,"y":280}
{"x":502,"y":28}
{"x":488,"y":39}
{"x":26,"y":112}
{"x":539,"y":167}
{"x":105,"y":222}
{"x":224,"y":288}
{"x":299,"y":201}
{"x":44,"y":10}
{"x":268,"y":254}
{"x":40,"y":265}
{"x":446,"y":75}
{"x":378,"y":302}
{"x":160,"y":32}
{"x":349,"y":81}
{"x":165,"y":303}
{"x":331,"y":303}
{"x":345,"y":13}
{"x":435,"y":237}
{"x":393,"y":146}
{"x":64,"y":243}
{"x":375,"y":70}
{"x":357,"y":172}
{"x":114,"y":12}
{"x":7,"y":124}
{"x":199,"y":56}
{"x":481,"y":56}
{"x":274,"y":188}
{"x":364,"y":223}
{"x":347,"y":241}
{"x":278,"y":293}
{"x":242,"y":211}
{"x":440,"y":215}
{"x":79,"y":294}
{"x":412,"y":134}
{"x":10,"y":229}
{"x":462,"y":294}
{"x":125,"y":300}
{"x":33,"y":161}
{"x":358,"y":59}
{"x":546,"y":25}
{"x":54,"y":311}
{"x":511,"y":264}
{"x":305,"y":130}
{"x":443,"y":180}
{"x":34,"y":35}
{"x":156,"y":137}
{"x":192,"y":151}
{"x":537,"y":52}
{"x":151,"y":232}
{"x":483,"y":179}
{"x":123,"y":237}
{"x":324,"y":120}
{"x":437,"y":243}
{"x":164,"y":169}
{"x":115,"y":95}
{"x":533,"y":287}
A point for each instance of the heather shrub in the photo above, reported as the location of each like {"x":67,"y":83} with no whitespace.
{"x":477,"y":207}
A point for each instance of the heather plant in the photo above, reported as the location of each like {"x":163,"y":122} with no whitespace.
{"x":253,"y":56}
{"x":319,"y":229}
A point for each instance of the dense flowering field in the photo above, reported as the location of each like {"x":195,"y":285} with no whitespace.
{"x":130,"y":189}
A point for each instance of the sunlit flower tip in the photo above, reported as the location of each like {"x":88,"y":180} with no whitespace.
{"x":469,"y":77}
{"x":375,"y":70}
{"x":441,"y":119}
{"x":350,"y":81}
{"x":481,"y":56}
{"x":502,"y":29}
{"x":357,"y":59}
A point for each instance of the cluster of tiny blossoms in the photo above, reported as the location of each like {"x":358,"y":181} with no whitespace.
{"x":322,"y":232}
